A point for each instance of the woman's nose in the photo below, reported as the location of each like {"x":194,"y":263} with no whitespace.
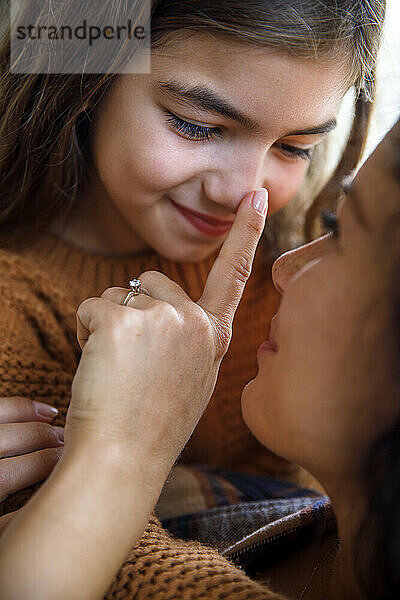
{"x":287,"y":265}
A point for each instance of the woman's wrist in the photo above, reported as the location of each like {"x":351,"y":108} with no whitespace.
{"x":127,"y":462}
{"x":97,"y":492}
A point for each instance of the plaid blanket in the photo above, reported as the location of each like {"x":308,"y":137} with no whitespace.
{"x":241,"y":514}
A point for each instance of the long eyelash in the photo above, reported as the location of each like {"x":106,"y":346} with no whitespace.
{"x":192,"y":131}
{"x":294,"y":152}
{"x":330,"y":222}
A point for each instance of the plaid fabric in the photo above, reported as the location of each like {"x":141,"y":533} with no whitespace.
{"x":241,"y":511}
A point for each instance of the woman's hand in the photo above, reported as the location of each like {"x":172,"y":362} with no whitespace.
{"x":146,"y":373}
{"x":29,"y":446}
{"x":148,"y":370}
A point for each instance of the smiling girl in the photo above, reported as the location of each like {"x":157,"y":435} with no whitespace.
{"x":106,"y":176}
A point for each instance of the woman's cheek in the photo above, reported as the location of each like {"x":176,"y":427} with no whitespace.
{"x":284,"y":182}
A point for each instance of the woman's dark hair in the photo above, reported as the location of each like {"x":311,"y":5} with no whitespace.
{"x":377,"y":548}
{"x":45,"y":119}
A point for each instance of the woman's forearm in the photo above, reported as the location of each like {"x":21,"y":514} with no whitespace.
{"x":70,"y":539}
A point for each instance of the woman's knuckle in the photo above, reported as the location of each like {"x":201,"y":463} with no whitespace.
{"x":49,"y":432}
{"x":83,"y":304}
{"x":40,"y":429}
{"x":224,"y":336}
{"x":108,"y":292}
{"x":44,"y":459}
{"x":26,"y":404}
{"x":199,"y":321}
{"x":149,"y":273}
{"x":169,"y":311}
{"x":20,"y":407}
{"x":149,"y":276}
{"x":242,"y":267}
{"x":255,"y":226}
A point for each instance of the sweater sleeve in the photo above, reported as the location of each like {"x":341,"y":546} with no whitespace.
{"x":39,"y":353}
{"x":161,"y":567}
{"x":27,"y":367}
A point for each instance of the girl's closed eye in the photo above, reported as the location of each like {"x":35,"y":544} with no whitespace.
{"x":293,"y":152}
{"x":191,"y":130}
{"x":195,"y":132}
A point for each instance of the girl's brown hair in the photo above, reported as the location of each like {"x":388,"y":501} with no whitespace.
{"x":45,"y":119}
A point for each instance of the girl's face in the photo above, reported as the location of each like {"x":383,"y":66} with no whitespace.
{"x":323,"y":396}
{"x":175,"y":151}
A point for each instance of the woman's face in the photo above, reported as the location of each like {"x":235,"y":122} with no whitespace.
{"x":178,"y":149}
{"x":323,"y":395}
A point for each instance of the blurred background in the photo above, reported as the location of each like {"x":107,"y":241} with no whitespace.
{"x":387,"y":108}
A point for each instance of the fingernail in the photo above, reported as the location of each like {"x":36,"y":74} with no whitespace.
{"x":45,"y":410}
{"x":260,"y":201}
{"x":60,"y":433}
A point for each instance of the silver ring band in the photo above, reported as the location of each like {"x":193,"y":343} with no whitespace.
{"x":128,"y":297}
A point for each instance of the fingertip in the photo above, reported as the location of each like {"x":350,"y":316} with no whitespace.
{"x":45,"y":410}
{"x":259,"y":201}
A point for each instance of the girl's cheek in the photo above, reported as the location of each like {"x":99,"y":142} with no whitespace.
{"x":284,"y":184}
{"x":162,"y":169}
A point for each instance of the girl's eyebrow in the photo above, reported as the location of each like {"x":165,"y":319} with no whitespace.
{"x":205,"y":98}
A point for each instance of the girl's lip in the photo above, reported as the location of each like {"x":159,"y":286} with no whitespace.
{"x":210,"y":226}
{"x":208,"y":218}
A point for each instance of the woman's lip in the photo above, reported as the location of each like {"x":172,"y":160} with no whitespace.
{"x":270,"y":344}
{"x":267,"y":347}
{"x":208,"y":225}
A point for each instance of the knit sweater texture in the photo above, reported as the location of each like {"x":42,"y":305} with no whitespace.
{"x":41,"y":288}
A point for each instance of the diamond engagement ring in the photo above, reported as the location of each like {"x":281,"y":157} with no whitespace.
{"x":135,"y":285}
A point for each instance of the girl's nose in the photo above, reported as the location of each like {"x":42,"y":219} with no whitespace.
{"x":287,"y":265}
{"x":234,"y":174}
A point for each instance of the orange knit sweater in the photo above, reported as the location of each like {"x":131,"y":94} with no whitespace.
{"x":40,"y":290}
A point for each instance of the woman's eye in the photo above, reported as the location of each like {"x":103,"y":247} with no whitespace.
{"x":330,"y":222}
{"x":192,"y":131}
{"x":293,"y":152}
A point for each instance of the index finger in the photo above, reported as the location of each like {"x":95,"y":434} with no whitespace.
{"x":231,"y":270}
